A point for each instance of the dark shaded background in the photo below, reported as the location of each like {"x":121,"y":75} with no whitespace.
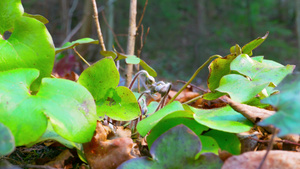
{"x":183,"y":33}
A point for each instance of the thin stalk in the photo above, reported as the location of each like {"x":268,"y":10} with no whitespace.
{"x":194,"y":75}
{"x":194,"y":99}
{"x":81,"y":57}
{"x":100,"y":37}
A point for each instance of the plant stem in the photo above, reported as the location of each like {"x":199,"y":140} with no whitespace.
{"x":131,"y":38}
{"x":194,"y":75}
{"x":192,"y":100}
{"x":81,"y":57}
{"x":100,"y":37}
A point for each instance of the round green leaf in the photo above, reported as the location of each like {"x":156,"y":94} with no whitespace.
{"x":176,"y":148}
{"x":172,"y":120}
{"x":70,"y":108}
{"x":68,"y":105}
{"x":10,"y":11}
{"x":148,"y":123}
{"x":7,"y":141}
{"x":132,"y":59}
{"x":20,"y":111}
{"x":119,"y":104}
{"x":29,"y":46}
{"x":101,"y":79}
{"x":223,"y":119}
{"x":240,"y":88}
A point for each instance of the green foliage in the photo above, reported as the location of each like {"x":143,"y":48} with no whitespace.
{"x":287,"y":117}
{"x":147,"y":124}
{"x":223,"y":119}
{"x":102,"y":79}
{"x":7,"y":142}
{"x":69,"y":107}
{"x":176,"y":148}
{"x":70,"y":45}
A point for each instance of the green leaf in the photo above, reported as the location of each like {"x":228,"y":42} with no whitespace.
{"x":149,"y":69}
{"x":240,"y":88}
{"x":172,"y":120}
{"x":247,"y":49}
{"x":287,"y":117}
{"x":29,"y":46}
{"x":37,"y":17}
{"x":70,"y":45}
{"x":7,"y":141}
{"x":175,"y":148}
{"x":108,"y":54}
{"x":217,"y":69}
{"x":152,"y":107}
{"x":132,"y":59}
{"x":10,"y":11}
{"x":147,"y":124}
{"x":261,"y":74}
{"x":69,"y":107}
{"x":223,"y":119}
{"x":102,"y":79}
{"x":226,"y":141}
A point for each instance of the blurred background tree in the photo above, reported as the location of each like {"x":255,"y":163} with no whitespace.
{"x":183,"y":34}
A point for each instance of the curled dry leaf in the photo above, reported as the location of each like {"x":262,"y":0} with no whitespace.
{"x":276,"y":159}
{"x":107,"y":154}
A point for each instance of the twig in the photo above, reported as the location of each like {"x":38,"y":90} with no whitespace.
{"x":100,"y":37}
{"x":142,"y":16}
{"x":194,"y":75}
{"x":199,"y":88}
{"x":81,"y":57}
{"x":112,"y":31}
{"x":268,"y":149}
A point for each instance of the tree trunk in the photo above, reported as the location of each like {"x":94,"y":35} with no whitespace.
{"x":131,"y":38}
{"x":201,"y":15}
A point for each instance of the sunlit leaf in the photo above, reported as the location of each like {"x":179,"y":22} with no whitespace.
{"x":70,"y":45}
{"x":223,"y":119}
{"x":67,"y":105}
{"x":102,"y":79}
{"x":147,"y":124}
{"x":247,"y":49}
{"x":176,"y":148}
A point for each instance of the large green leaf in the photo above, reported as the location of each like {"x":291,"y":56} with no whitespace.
{"x":260,"y":73}
{"x":223,"y":119}
{"x":102,"y":79}
{"x":29,"y":46}
{"x":7,"y":141}
{"x":176,"y":148}
{"x":172,"y":120}
{"x":287,"y":117}
{"x":147,"y":124}
{"x":10,"y":11}
{"x":68,"y":106}
{"x":70,"y":45}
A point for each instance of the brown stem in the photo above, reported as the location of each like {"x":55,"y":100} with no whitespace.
{"x":100,"y":37}
{"x":131,"y":38}
{"x":268,"y":149}
{"x":141,"y":19}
